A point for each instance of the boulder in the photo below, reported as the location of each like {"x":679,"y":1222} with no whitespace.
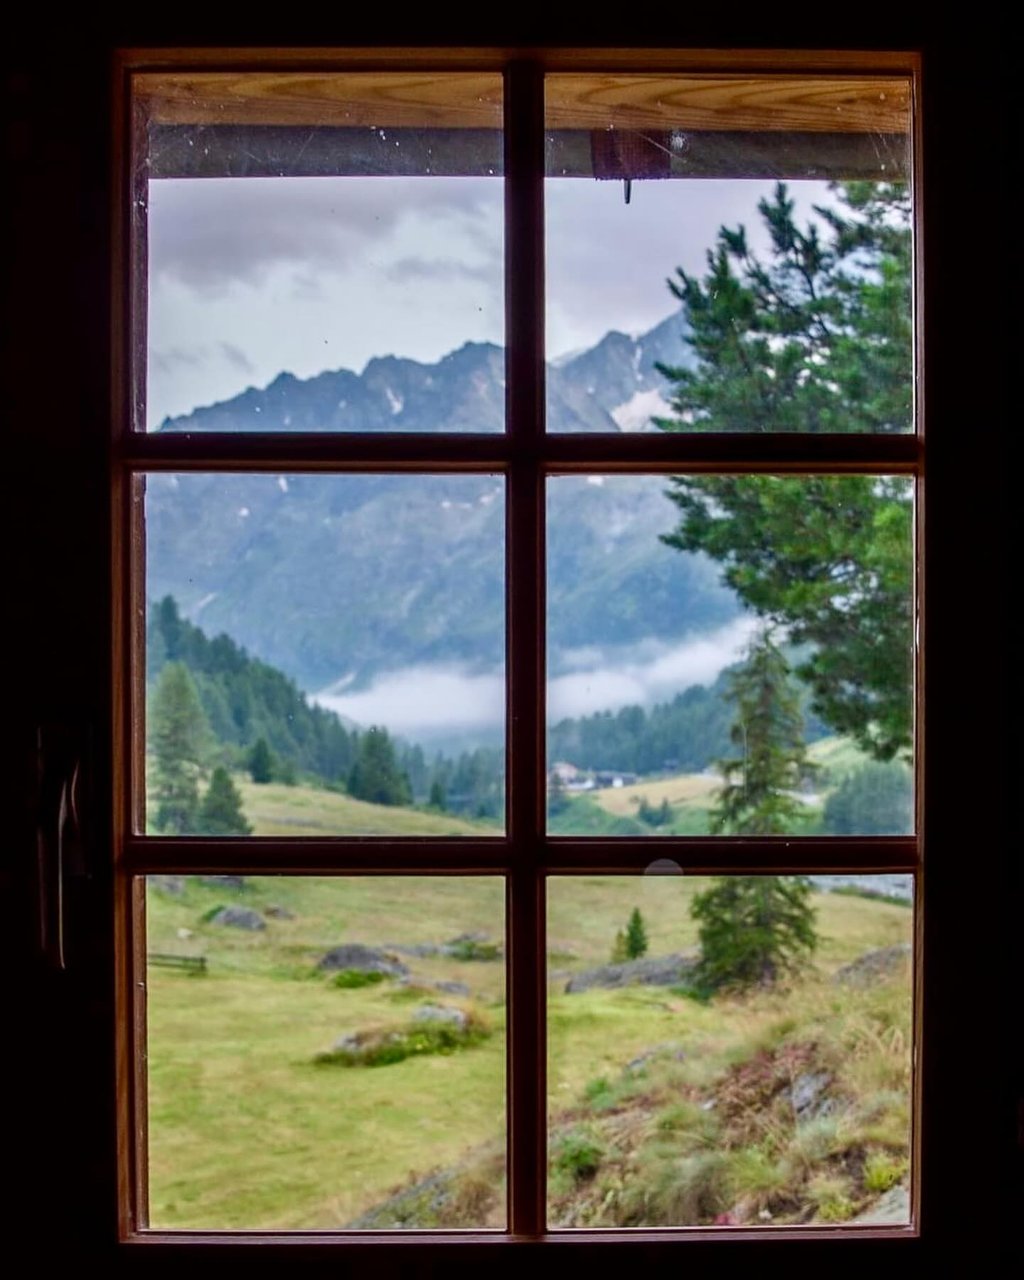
{"x":446,"y":987}
{"x":239,"y":918}
{"x":807,"y":1095}
{"x":658,"y":971}
{"x":893,"y":1207}
{"x":874,"y":966}
{"x":364,"y":959}
{"x":449,"y":1014}
{"x":174,"y":885}
{"x":224,"y":882}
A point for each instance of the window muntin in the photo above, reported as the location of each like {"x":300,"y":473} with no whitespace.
{"x":524,"y":464}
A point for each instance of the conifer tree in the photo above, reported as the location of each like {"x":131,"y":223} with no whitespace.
{"x":636,"y":936}
{"x":753,"y":929}
{"x":813,"y":337}
{"x":220,"y":813}
{"x":261,"y":762}
{"x":375,"y":776}
{"x":177,"y":740}
{"x":757,"y":795}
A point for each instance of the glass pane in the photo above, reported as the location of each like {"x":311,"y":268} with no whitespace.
{"x":703,"y":1072}
{"x":325,"y":654}
{"x":325,"y":1053}
{"x":730,"y":655}
{"x":728,"y":253}
{"x":320,"y":252}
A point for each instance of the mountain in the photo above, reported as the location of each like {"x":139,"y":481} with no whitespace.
{"x":336,"y":579}
{"x":605,"y":388}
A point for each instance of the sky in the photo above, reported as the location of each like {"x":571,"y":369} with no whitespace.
{"x":250,"y":277}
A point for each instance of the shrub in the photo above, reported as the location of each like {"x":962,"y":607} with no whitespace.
{"x":473,"y":949}
{"x":578,"y":1154}
{"x":352,"y":979}
{"x":882,"y":1172}
{"x":831,"y":1195}
{"x":383,"y":1047}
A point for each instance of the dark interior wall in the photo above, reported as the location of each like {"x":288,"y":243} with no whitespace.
{"x":55,"y":398}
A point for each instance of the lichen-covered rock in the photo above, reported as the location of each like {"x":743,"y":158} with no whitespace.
{"x":174,"y":885}
{"x":224,"y":882}
{"x":874,"y":966}
{"x":364,"y":959}
{"x":807,"y":1095}
{"x":448,"y":1014}
{"x":239,"y":918}
{"x":658,"y":971}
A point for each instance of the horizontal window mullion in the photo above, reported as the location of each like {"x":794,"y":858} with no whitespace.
{"x":145,"y":855}
{"x":724,"y":855}
{"x":735,"y":453}
{"x":303,"y":451}
{"x":557,"y":454}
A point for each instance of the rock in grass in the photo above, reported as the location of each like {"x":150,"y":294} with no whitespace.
{"x":892,"y":1207}
{"x":224,"y":882}
{"x":874,"y":966}
{"x":363,"y":959}
{"x":448,"y":1014}
{"x":174,"y":885}
{"x":658,"y":971}
{"x":806,"y":1095}
{"x":239,"y":918}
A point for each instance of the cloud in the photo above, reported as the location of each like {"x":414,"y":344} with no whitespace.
{"x":428,"y":701}
{"x":171,"y":360}
{"x":236,"y":356}
{"x":652,"y":671}
{"x":443,"y":269}
{"x":424,"y":701}
{"x":210,"y":234}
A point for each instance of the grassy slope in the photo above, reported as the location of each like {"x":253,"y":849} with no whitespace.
{"x":247,"y":1132}
{"x":277,"y":810}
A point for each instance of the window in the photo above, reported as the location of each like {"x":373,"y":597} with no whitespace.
{"x":781,"y":475}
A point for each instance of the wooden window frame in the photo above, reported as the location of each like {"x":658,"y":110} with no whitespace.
{"x":526,"y":855}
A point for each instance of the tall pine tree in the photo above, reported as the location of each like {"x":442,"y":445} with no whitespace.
{"x":178,"y":735}
{"x":754,"y":928}
{"x":814,"y":337}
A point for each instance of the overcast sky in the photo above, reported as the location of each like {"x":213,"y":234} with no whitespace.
{"x":249,"y":277}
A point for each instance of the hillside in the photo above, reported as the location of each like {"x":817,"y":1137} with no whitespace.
{"x":247,"y":1130}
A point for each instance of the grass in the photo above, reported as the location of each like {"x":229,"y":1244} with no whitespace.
{"x":246,"y":1131}
{"x":278,"y":810}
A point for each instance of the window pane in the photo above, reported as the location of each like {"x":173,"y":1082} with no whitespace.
{"x":325,"y":654}
{"x":325,"y":1053}
{"x":321,"y":252}
{"x":751,"y":675}
{"x":728,"y":253}
{"x":705,"y":1072}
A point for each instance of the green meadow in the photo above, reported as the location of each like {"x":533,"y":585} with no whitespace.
{"x":248,"y":1130}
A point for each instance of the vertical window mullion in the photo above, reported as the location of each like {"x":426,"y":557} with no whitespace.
{"x":524,"y":303}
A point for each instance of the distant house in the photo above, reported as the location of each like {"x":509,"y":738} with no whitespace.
{"x":565,"y":772}
{"x":614,"y":778}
